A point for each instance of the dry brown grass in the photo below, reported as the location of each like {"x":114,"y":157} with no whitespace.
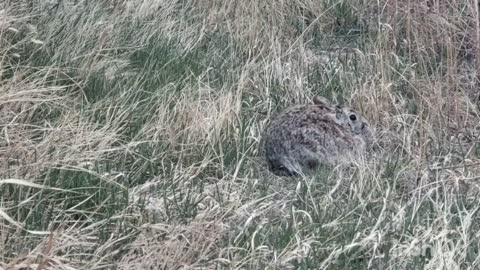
{"x":132,"y":140}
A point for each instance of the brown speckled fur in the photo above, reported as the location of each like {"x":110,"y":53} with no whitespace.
{"x":305,"y":136}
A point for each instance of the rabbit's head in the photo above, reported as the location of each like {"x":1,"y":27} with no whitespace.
{"x":359,"y":125}
{"x":347,"y":117}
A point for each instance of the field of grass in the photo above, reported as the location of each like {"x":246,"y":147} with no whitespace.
{"x":131,"y":133}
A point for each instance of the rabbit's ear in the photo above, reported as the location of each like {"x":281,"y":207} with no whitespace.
{"x":319,"y":100}
{"x":340,"y":114}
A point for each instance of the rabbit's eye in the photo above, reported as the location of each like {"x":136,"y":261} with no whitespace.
{"x":353,"y":117}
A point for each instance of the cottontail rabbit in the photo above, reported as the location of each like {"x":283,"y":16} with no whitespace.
{"x":306,"y":136}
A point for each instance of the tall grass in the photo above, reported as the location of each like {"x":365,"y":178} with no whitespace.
{"x":131,"y":134}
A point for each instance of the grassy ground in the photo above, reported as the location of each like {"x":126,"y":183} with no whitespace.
{"x":131,"y":133}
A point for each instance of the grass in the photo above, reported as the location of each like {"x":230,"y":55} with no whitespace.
{"x":131,"y":134}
